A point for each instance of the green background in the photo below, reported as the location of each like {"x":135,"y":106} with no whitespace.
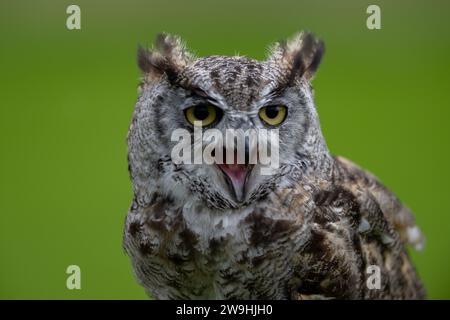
{"x":66,"y":100}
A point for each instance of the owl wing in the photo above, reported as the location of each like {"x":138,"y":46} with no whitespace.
{"x":354,"y":222}
{"x":398,"y":215}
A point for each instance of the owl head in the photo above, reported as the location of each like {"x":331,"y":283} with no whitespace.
{"x":220,"y":93}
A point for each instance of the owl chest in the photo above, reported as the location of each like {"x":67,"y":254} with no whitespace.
{"x":232,"y":260}
{"x":228,"y":268}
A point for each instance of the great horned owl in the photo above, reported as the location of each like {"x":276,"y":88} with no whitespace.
{"x":311,"y":229}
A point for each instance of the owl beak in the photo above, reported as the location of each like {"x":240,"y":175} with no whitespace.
{"x":236,"y":176}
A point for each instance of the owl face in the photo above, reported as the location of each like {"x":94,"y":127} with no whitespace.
{"x":180,"y":92}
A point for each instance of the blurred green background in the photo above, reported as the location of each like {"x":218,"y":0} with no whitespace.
{"x":66,"y":100}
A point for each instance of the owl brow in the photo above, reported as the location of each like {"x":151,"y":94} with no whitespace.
{"x":277,"y":91}
{"x":196,"y":91}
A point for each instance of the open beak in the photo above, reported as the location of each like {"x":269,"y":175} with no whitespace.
{"x":236,"y":176}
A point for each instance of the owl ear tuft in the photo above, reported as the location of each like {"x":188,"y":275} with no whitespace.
{"x":298,"y":57}
{"x":168,"y":56}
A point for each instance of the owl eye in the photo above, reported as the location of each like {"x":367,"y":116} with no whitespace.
{"x":273,"y":115}
{"x":205,"y":114}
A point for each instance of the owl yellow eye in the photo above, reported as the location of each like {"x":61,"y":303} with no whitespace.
{"x":273,"y":115}
{"x":206,"y":114}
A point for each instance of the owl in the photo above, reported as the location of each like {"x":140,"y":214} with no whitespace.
{"x":317,"y":227}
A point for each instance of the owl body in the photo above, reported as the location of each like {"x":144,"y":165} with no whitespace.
{"x":311,"y":229}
